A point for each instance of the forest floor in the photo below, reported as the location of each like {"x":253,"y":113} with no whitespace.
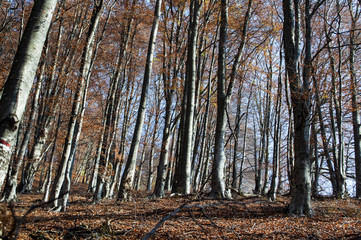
{"x":188,"y":218}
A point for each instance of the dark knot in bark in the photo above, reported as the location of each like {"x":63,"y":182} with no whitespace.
{"x":12,"y":120}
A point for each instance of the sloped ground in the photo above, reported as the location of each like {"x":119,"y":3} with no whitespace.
{"x":189,"y":218}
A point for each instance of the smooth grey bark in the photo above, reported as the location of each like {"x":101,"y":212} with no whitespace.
{"x":164,"y":152}
{"x":9,"y":193}
{"x":47,"y":110}
{"x":202,"y":161}
{"x":95,"y":168}
{"x":111,"y":114}
{"x":182,"y":178}
{"x":65,"y":163}
{"x":235,"y":67}
{"x":125,"y":127}
{"x":171,"y":65}
{"x":325,"y":143}
{"x":237,"y":131}
{"x":41,"y":133}
{"x":338,"y":175}
{"x":154,"y":138}
{"x":355,"y":102}
{"x":86,"y":72}
{"x":128,"y":175}
{"x":218,"y":183}
{"x":51,"y":163}
{"x":266,"y":132}
{"x":122,"y":145}
{"x":171,"y":164}
{"x":244,"y":143}
{"x":315,"y":163}
{"x":300,"y":93}
{"x":18,"y":85}
{"x":163,"y":159}
{"x":34,"y":161}
{"x":210,"y":143}
{"x":139,"y":173}
{"x":201,"y":64}
{"x":138,"y":176}
{"x":276,"y":141}
{"x":49,"y":105}
{"x":264,"y":141}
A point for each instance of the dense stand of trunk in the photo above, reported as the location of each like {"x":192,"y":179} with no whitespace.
{"x":63,"y":173}
{"x":182,"y":178}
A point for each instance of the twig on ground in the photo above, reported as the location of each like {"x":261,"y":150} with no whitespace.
{"x":18,"y":221}
{"x":196,"y":221}
{"x":183,"y":206}
{"x":213,"y":223}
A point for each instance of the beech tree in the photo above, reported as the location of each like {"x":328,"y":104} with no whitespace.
{"x":300,"y":99}
{"x":182,"y":178}
{"x":128,"y":175}
{"x":62,"y":180}
{"x":18,"y":85}
{"x":355,"y":15}
{"x":218,"y":180}
{"x":301,"y":188}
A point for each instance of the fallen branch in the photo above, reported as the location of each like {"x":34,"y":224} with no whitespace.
{"x":184,"y":206}
{"x":18,"y":221}
{"x":165,"y":218}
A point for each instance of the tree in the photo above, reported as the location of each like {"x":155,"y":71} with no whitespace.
{"x":18,"y":85}
{"x":276,"y":139}
{"x":223,"y":97}
{"x":354,"y":97}
{"x":218,"y":180}
{"x":182,"y":178}
{"x":299,"y":90}
{"x":128,"y":175}
{"x":62,"y":179}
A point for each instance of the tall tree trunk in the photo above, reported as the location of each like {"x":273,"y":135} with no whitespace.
{"x":244,"y":143}
{"x":154,"y":138}
{"x":164,"y":151}
{"x":128,"y":175}
{"x":51,"y":163}
{"x":266,"y":120}
{"x":325,"y":143}
{"x":223,"y":97}
{"x":315,"y":161}
{"x":65,"y":163}
{"x":301,"y":184}
{"x":18,"y":85}
{"x":9,"y":193}
{"x":111,"y":113}
{"x":340,"y":164}
{"x":202,"y":161}
{"x":276,"y":141}
{"x":50,"y":104}
{"x":238,"y":114}
{"x":355,"y":103}
{"x":218,"y":180}
{"x":182,"y":181}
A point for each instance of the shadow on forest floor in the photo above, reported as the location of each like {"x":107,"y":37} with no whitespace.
{"x":241,"y":218}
